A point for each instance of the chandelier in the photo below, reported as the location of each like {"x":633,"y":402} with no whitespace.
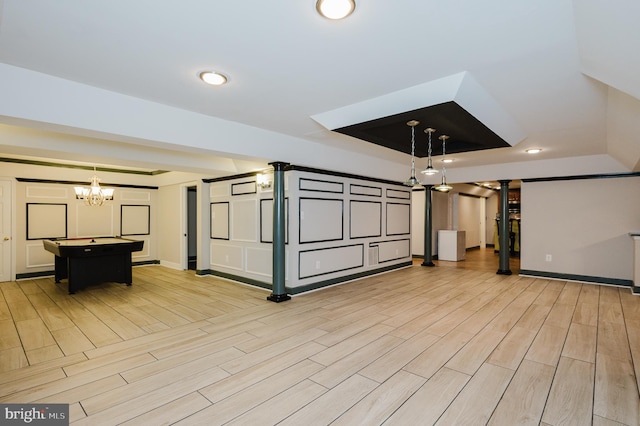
{"x":429,"y":171}
{"x":94,"y":195}
{"x":444,"y":187}
{"x":412,"y":181}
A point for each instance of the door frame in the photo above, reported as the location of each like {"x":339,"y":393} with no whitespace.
{"x":11,"y":211}
{"x":184,"y":228}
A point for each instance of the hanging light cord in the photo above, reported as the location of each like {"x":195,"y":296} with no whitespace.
{"x":444,"y":144}
{"x":413,"y":150}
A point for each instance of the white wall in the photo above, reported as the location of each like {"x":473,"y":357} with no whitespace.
{"x":373,"y":230}
{"x":236,"y":241}
{"x":449,"y":211}
{"x":166,"y":226}
{"x":50,"y":205}
{"x":491,"y":211}
{"x":336,"y":227}
{"x":417,"y":223}
{"x":440,"y":213}
{"x":582,"y":224}
{"x":469,"y":217}
{"x":172,"y":225}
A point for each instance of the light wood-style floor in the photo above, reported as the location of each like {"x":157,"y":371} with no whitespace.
{"x":451,"y":345}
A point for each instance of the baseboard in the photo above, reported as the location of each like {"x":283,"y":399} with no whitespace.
{"x":308,"y":287}
{"x":339,"y":280}
{"x":581,"y":278}
{"x":233,"y":277}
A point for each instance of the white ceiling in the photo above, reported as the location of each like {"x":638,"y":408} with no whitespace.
{"x":115,"y":82}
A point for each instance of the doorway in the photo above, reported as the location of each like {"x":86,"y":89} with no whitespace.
{"x":192,"y":228}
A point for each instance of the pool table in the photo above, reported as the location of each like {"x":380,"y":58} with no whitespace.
{"x":87,"y":261}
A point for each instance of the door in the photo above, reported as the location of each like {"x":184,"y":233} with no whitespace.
{"x":192,"y":227}
{"x":5,"y":230}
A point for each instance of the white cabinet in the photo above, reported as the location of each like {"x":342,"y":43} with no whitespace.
{"x":451,"y":245}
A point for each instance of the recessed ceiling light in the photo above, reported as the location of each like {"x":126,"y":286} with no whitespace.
{"x":533,"y":151}
{"x":448,"y":160}
{"x":335,"y":9}
{"x":213,"y":78}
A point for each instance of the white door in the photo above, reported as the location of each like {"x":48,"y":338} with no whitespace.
{"x":5,"y":230}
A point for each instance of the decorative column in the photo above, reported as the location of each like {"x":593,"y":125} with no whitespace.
{"x":503,"y":228}
{"x":278,"y":292}
{"x":428,"y":225}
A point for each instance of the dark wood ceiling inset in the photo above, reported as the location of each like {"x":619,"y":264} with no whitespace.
{"x":466,"y":132}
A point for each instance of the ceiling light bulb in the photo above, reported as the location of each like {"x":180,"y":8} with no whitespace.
{"x":335,"y":9}
{"x":213,"y":78}
{"x":533,"y":151}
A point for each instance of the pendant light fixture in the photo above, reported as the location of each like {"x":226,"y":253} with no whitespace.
{"x":444,"y":187}
{"x":429,"y":171}
{"x":94,"y":195}
{"x":412,"y":181}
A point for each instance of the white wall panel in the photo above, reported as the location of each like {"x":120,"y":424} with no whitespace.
{"x":221,"y":189}
{"x":334,"y":259}
{"x":365,"y":219}
{"x":321,"y":220}
{"x":46,"y":220}
{"x":392,"y":250}
{"x":135,"y":220}
{"x":227,"y":256}
{"x":94,"y":221}
{"x":321,"y":186}
{"x":145,"y":248}
{"x":242,"y":188}
{"x":371,"y":191}
{"x":47,"y":192}
{"x":244,"y":220}
{"x":398,"y":219}
{"x":259,"y":261}
{"x":395,"y":193}
{"x":219,"y":214}
{"x":37,"y":256}
{"x":137,"y":196}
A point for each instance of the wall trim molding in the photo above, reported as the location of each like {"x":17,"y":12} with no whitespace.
{"x":582,"y":177}
{"x":308,"y":170}
{"x":81,"y":167}
{"x":84,"y":182}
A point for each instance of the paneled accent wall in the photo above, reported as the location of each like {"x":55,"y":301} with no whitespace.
{"x":338,"y":227}
{"x":241,"y":215}
{"x":50,"y":210}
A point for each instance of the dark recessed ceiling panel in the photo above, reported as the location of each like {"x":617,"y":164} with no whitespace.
{"x":466,"y":133}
